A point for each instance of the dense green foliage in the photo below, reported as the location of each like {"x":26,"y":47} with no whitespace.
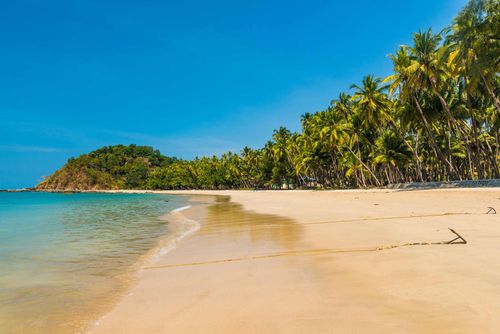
{"x":436,"y":118}
{"x":110,"y":167}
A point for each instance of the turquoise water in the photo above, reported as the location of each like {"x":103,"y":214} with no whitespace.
{"x":64,"y":257}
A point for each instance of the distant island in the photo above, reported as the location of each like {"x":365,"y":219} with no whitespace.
{"x":436,"y":118}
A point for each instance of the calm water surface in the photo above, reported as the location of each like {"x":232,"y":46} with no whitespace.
{"x":64,"y":257}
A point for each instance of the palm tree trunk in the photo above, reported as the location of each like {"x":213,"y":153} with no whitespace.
{"x":492,"y":94}
{"x":493,"y":156}
{"x":447,"y":136}
{"x":362,"y":177}
{"x":475,"y":135}
{"x":377,"y":182}
{"x":415,"y":155}
{"x":423,"y":167}
{"x":437,"y":150}
{"x":387,"y":175}
{"x":454,"y":123}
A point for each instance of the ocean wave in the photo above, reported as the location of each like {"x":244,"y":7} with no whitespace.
{"x":182,"y":208}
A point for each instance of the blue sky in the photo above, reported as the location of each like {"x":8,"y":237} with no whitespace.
{"x":187,"y":77}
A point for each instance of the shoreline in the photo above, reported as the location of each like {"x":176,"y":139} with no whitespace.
{"x":110,"y":239}
{"x":457,"y":184}
{"x":180,"y":227}
{"x":290,"y":271}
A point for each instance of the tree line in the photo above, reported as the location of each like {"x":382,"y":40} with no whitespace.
{"x":435,"y":118}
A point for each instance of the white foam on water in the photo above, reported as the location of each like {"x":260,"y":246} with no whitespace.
{"x":182,"y":208}
{"x":184,"y":228}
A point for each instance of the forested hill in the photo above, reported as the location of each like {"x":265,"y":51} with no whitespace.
{"x":110,"y":167}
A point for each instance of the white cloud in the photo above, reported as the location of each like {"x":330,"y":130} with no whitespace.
{"x":29,"y":148}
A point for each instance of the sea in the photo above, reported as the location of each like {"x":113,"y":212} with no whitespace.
{"x":65,"y":258}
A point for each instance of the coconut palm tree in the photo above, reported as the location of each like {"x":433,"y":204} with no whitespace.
{"x":371,"y":102}
{"x":408,"y":82}
{"x":392,"y":154}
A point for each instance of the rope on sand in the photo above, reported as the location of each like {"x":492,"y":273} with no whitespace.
{"x":389,"y":218}
{"x":458,"y":240}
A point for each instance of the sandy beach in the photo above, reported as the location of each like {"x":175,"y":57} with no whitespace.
{"x":323,"y":262}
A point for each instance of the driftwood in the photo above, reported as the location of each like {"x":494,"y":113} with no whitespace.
{"x":491,"y":210}
{"x":458,"y":240}
{"x":459,"y":237}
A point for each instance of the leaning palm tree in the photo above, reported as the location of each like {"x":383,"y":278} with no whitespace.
{"x":429,"y":72}
{"x":409,"y":81}
{"x":476,"y":45}
{"x":471,"y":62}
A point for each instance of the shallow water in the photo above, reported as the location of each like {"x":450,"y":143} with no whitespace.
{"x":64,"y":257}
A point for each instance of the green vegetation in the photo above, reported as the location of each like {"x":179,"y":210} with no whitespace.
{"x":111,"y":167}
{"x":436,"y":118}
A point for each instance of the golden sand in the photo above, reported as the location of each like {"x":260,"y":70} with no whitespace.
{"x":325,"y":262}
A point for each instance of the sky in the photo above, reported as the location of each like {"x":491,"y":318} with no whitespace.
{"x":190,"y":78}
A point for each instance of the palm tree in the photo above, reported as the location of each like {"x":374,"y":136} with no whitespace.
{"x":408,"y":82}
{"x":392,"y":153}
{"x":476,"y":45}
{"x":371,"y":101}
{"x":429,"y":71}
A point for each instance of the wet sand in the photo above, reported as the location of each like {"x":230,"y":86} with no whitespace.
{"x":324,"y":262}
